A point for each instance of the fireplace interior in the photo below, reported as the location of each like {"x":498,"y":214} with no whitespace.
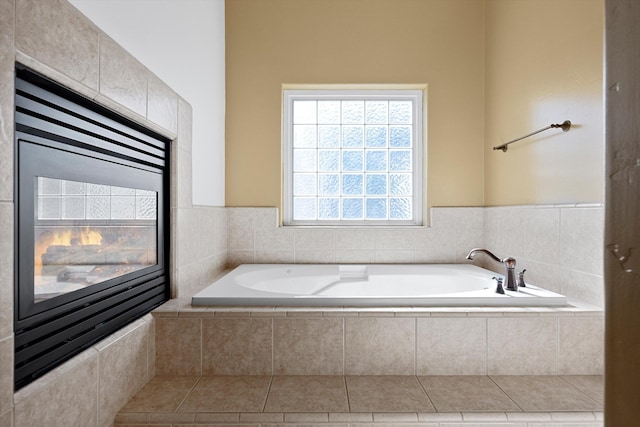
{"x":92,"y":191}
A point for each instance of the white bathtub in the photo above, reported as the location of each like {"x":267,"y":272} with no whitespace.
{"x":374,"y":285}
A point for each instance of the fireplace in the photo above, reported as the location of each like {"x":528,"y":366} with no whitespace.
{"x":91,"y":224}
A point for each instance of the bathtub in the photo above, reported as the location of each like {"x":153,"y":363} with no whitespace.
{"x":373,"y":285}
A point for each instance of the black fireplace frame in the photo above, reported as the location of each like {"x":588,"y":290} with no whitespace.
{"x":54,"y":126}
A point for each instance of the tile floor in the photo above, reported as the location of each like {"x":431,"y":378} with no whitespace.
{"x":263,"y":399}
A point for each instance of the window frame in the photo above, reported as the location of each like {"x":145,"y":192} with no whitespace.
{"x":414,"y":93}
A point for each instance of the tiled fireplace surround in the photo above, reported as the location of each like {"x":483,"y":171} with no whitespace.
{"x":561,"y":246}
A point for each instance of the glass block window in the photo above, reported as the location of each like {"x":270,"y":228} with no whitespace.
{"x":352,"y":157}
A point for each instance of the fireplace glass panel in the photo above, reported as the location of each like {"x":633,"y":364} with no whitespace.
{"x":87,"y":233}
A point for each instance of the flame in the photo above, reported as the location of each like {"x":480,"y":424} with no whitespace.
{"x":73,"y":237}
{"x":68,"y":237}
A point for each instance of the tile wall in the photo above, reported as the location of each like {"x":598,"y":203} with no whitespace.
{"x":56,"y":40}
{"x":198,"y":233}
{"x":194,"y":341}
{"x":560,"y":246}
{"x":93,"y":386}
{"x":254,"y":237}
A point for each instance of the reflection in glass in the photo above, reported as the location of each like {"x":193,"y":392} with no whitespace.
{"x":400,"y":207}
{"x":305,"y":207}
{"x":304,"y":184}
{"x":376,"y":137}
{"x":328,"y":112}
{"x":400,"y":112}
{"x":376,"y":112}
{"x":376,"y":208}
{"x":352,"y":184}
{"x":352,"y":208}
{"x":304,"y":136}
{"x":329,"y":208}
{"x":328,"y":136}
{"x":329,"y":184}
{"x":304,"y":160}
{"x":304,"y":112}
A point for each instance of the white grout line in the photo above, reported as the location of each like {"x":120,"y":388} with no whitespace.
{"x":344,"y":346}
{"x":415,"y":346}
{"x":557,"y":370}
{"x":486,"y":346}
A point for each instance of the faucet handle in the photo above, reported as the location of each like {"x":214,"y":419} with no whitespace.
{"x":521,"y":283}
{"x":509,"y":262}
{"x":499,"y":288}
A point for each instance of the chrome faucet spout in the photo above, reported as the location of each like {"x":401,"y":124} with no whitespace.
{"x":509,"y":264}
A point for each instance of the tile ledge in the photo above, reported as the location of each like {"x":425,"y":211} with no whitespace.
{"x":573,"y":416}
{"x":182,"y":308}
{"x":372,"y":417}
{"x":548,"y":206}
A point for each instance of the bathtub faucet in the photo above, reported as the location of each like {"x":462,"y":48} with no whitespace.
{"x":509,"y":264}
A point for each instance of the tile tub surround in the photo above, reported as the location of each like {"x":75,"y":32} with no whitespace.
{"x":255,"y":237}
{"x":365,"y":400}
{"x":377,"y":341}
{"x":561,"y":247}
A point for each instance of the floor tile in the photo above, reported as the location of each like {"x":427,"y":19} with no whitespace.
{"x":307,"y":394}
{"x":545,"y":393}
{"x":161,"y":394}
{"x":228,"y":394}
{"x":387,"y":394}
{"x":467,"y":393}
{"x":591,"y":385}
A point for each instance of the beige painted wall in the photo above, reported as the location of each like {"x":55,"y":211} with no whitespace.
{"x":496,"y":70}
{"x":544,"y":65}
{"x":274,"y":42}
